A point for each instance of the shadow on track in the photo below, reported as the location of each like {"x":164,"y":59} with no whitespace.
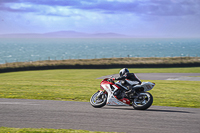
{"x":163,"y":110}
{"x":151,"y":110}
{"x":118,"y":108}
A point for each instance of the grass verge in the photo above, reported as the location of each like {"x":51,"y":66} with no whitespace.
{"x":80,"y":84}
{"x":43,"y":130}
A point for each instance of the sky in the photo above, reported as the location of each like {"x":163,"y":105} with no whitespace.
{"x":145,"y":18}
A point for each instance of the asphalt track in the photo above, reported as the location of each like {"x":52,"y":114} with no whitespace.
{"x":21,"y":113}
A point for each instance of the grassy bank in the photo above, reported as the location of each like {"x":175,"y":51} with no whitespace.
{"x":80,"y":84}
{"x":138,"y":62}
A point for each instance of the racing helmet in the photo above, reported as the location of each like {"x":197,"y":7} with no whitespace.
{"x":123,"y":71}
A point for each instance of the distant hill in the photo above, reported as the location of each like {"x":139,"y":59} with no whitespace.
{"x":63,"y":34}
{"x":108,"y":35}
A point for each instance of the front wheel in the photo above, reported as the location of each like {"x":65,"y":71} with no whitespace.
{"x":98,"y":100}
{"x":143,"y":101}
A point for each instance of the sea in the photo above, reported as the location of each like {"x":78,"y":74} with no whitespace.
{"x":38,"y":49}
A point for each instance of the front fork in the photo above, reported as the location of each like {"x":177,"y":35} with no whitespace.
{"x":100,"y":94}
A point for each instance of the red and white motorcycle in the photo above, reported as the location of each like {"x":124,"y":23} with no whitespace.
{"x":113,"y":93}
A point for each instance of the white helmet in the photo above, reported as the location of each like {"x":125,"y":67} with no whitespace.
{"x":123,"y":71}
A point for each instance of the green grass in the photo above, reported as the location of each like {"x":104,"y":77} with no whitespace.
{"x":80,"y":84}
{"x":43,"y":130}
{"x":176,"y":93}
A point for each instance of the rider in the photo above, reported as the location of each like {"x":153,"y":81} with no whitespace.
{"x":124,"y":74}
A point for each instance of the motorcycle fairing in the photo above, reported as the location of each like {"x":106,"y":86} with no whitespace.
{"x":111,"y":99}
{"x":147,"y":86}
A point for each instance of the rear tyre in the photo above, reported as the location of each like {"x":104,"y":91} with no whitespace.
{"x":98,"y":101}
{"x":143,"y":102}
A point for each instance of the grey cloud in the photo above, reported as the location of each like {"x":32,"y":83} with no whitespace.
{"x":153,"y":7}
{"x":17,"y":10}
{"x":146,"y":7}
{"x":4,"y":5}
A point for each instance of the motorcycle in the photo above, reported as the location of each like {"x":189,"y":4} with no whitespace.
{"x":114,"y":93}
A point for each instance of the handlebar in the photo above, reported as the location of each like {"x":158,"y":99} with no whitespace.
{"x":111,"y":80}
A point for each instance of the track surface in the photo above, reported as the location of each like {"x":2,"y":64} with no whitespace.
{"x":81,"y":115}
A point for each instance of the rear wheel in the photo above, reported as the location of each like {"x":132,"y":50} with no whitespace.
{"x":98,"y":100}
{"x":143,"y":101}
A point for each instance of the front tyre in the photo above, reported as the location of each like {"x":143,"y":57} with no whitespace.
{"x":98,"y":100}
{"x":143,"y":101}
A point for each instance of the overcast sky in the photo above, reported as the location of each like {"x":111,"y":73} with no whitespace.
{"x":131,"y":17}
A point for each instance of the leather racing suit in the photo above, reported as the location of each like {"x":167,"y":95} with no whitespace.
{"x":129,"y":76}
